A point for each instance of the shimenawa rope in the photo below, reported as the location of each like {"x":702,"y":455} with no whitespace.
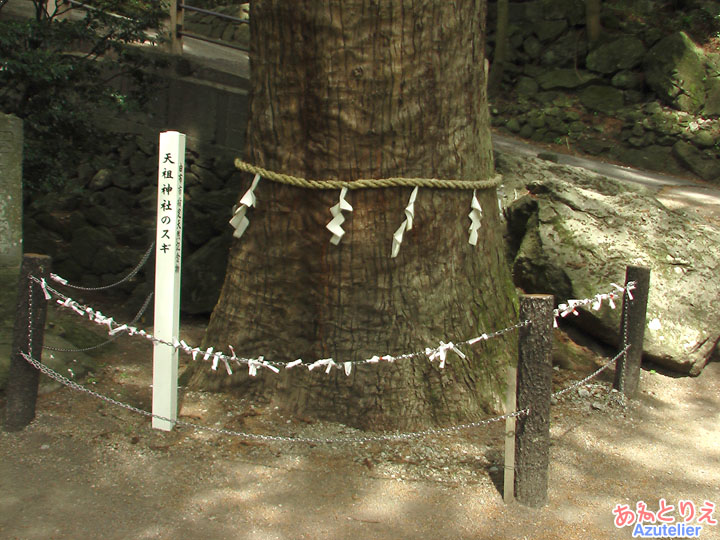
{"x":366,"y":183}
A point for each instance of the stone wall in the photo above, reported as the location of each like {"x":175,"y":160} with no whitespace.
{"x":99,"y":229}
{"x":640,"y":97}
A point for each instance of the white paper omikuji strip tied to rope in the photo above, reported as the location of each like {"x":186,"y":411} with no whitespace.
{"x":432,"y":353}
{"x":406,"y":225}
{"x":572,"y":305}
{"x":475,"y":216}
{"x":210,"y":354}
{"x":239,"y":220}
{"x":335,"y":225}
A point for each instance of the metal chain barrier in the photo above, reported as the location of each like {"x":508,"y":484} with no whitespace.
{"x":621,"y":373}
{"x":270,"y":438}
{"x":139,"y":314}
{"x":592,"y":375}
{"x":288,"y":439}
{"x":30,"y":315}
{"x":308,"y":440}
{"x":131,"y":275}
{"x":215,"y":357}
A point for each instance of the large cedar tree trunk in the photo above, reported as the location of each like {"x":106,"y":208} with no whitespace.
{"x":348,"y":89}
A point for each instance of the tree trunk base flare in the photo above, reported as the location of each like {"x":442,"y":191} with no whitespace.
{"x":360,"y":89}
{"x":305,"y":298}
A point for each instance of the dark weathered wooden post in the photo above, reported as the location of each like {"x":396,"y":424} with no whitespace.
{"x":534,"y":387}
{"x":632,"y":330}
{"x":28,"y":333}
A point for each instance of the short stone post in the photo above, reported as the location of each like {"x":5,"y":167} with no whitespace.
{"x":28,"y":333}
{"x":632,"y":330}
{"x":534,"y":388}
{"x":11,"y":205}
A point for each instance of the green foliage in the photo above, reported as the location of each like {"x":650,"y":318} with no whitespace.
{"x":55,"y":73}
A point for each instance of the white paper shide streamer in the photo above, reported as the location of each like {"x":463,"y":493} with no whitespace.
{"x":239,"y":220}
{"x":475,"y":216}
{"x":335,"y":225}
{"x":407,"y":224}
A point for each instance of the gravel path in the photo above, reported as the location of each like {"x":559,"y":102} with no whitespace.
{"x":84,"y":469}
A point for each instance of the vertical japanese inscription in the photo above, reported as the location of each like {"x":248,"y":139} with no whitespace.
{"x":168,"y":181}
{"x":170,"y":206}
{"x":179,"y":214}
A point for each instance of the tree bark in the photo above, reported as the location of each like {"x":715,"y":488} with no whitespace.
{"x":348,"y":89}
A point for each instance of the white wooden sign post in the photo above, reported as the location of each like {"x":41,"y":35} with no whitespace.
{"x":168,"y":258}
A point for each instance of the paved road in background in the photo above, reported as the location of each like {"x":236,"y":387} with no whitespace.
{"x":674,"y":192}
{"x":213,"y":56}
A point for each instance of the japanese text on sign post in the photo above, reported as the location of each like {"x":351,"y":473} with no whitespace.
{"x":168,"y":259}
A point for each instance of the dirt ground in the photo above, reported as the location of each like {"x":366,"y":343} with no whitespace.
{"x":86,"y":469}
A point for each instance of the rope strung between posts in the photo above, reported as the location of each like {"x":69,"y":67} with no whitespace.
{"x":139,"y":314}
{"x":271,"y":438}
{"x":570,"y":307}
{"x":114,"y":328}
{"x":253,"y":365}
{"x":367,"y":183}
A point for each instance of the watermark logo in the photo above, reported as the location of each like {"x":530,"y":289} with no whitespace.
{"x":682,"y":520}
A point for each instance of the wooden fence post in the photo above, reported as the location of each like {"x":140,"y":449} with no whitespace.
{"x":177,"y":16}
{"x":28,"y":333}
{"x":534,"y":387}
{"x":632,"y":330}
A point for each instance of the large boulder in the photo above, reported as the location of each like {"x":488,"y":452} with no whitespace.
{"x":683,"y":76}
{"x":704,"y":164}
{"x":651,"y":158}
{"x":565,"y":78}
{"x":571,"y":10}
{"x":604,"y":99}
{"x":628,"y":80}
{"x":623,"y":53}
{"x":712,"y":100}
{"x":574,"y":233}
{"x":549,"y":30}
{"x":564,"y":51}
